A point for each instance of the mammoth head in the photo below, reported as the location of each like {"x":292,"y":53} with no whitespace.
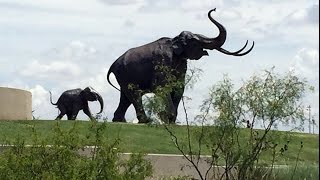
{"x":192,"y":46}
{"x":89,"y":94}
{"x":189,"y":45}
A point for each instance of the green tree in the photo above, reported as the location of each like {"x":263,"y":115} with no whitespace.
{"x":263,"y":101}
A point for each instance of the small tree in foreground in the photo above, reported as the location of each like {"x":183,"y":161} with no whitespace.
{"x":263,"y":101}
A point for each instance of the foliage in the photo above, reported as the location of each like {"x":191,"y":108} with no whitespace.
{"x":157,"y":106}
{"x":303,"y":171}
{"x":265,"y":100}
{"x":66,"y":158}
{"x":176,"y":178}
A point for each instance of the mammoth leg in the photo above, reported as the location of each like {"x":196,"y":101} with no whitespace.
{"x":62,"y":113}
{"x":72,"y":115}
{"x":135,"y":96}
{"x":69,"y":116}
{"x":59,"y":117}
{"x":141,"y":115}
{"x":169,"y":114}
{"x":86,"y":110}
{"x":119,"y":114}
{"x":176,"y":97}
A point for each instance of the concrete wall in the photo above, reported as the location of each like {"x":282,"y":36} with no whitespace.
{"x":15,"y":104}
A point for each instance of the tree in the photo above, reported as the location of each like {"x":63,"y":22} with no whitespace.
{"x":265,"y":99}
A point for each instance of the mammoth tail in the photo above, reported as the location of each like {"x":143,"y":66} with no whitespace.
{"x":51,"y":99}
{"x":108,"y":75}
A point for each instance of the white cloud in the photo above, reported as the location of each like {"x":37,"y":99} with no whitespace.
{"x":129,"y":23}
{"x":68,"y":63}
{"x":51,"y":70}
{"x":191,"y":6}
{"x":75,"y":51}
{"x":306,"y":63}
{"x":65,"y":6}
{"x":313,"y":14}
{"x":41,"y":105}
{"x":304,"y":15}
{"x":38,"y":94}
{"x":231,"y":14}
{"x":205,"y":5}
{"x":121,"y":2}
{"x":151,"y":6}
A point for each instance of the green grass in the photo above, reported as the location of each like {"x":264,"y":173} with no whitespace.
{"x":148,"y":139}
{"x":302,"y":171}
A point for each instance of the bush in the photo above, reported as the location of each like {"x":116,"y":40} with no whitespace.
{"x":63,"y":159}
{"x":263,"y":102}
{"x":303,"y":171}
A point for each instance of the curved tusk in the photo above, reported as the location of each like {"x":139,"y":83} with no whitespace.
{"x":237,"y":53}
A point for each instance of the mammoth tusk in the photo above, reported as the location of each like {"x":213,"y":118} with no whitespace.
{"x":241,"y":48}
{"x":237,"y":53}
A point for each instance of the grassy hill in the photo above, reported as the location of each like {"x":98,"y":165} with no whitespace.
{"x":143,"y":138}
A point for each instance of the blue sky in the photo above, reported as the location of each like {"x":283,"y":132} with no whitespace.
{"x":65,"y":44}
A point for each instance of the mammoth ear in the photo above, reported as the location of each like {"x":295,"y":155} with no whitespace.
{"x":177,"y":47}
{"x":87,"y":89}
{"x":85,"y":92}
{"x":179,"y":42}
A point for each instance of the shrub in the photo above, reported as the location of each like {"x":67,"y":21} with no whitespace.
{"x":263,"y":102}
{"x":63,"y":159}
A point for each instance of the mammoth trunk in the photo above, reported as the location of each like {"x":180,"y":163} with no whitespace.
{"x":99,"y":98}
{"x":217,"y":42}
{"x":213,"y":43}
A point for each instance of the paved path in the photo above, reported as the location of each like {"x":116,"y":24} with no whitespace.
{"x":166,"y":165}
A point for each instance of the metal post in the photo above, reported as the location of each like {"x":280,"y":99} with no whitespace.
{"x":309,"y":109}
{"x":313,"y":123}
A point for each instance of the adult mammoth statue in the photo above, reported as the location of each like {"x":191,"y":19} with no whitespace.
{"x":72,"y":101}
{"x":138,"y":66}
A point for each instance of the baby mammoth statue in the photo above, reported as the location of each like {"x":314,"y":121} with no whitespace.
{"x":72,"y":101}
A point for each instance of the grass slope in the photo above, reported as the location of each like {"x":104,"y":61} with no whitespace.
{"x":144,"y":138}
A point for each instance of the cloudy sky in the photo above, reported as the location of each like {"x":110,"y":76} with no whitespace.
{"x":65,"y":44}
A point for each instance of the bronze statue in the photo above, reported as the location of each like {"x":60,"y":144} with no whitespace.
{"x":138,"y":66}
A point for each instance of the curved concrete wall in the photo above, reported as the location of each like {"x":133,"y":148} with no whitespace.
{"x":15,"y":104}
